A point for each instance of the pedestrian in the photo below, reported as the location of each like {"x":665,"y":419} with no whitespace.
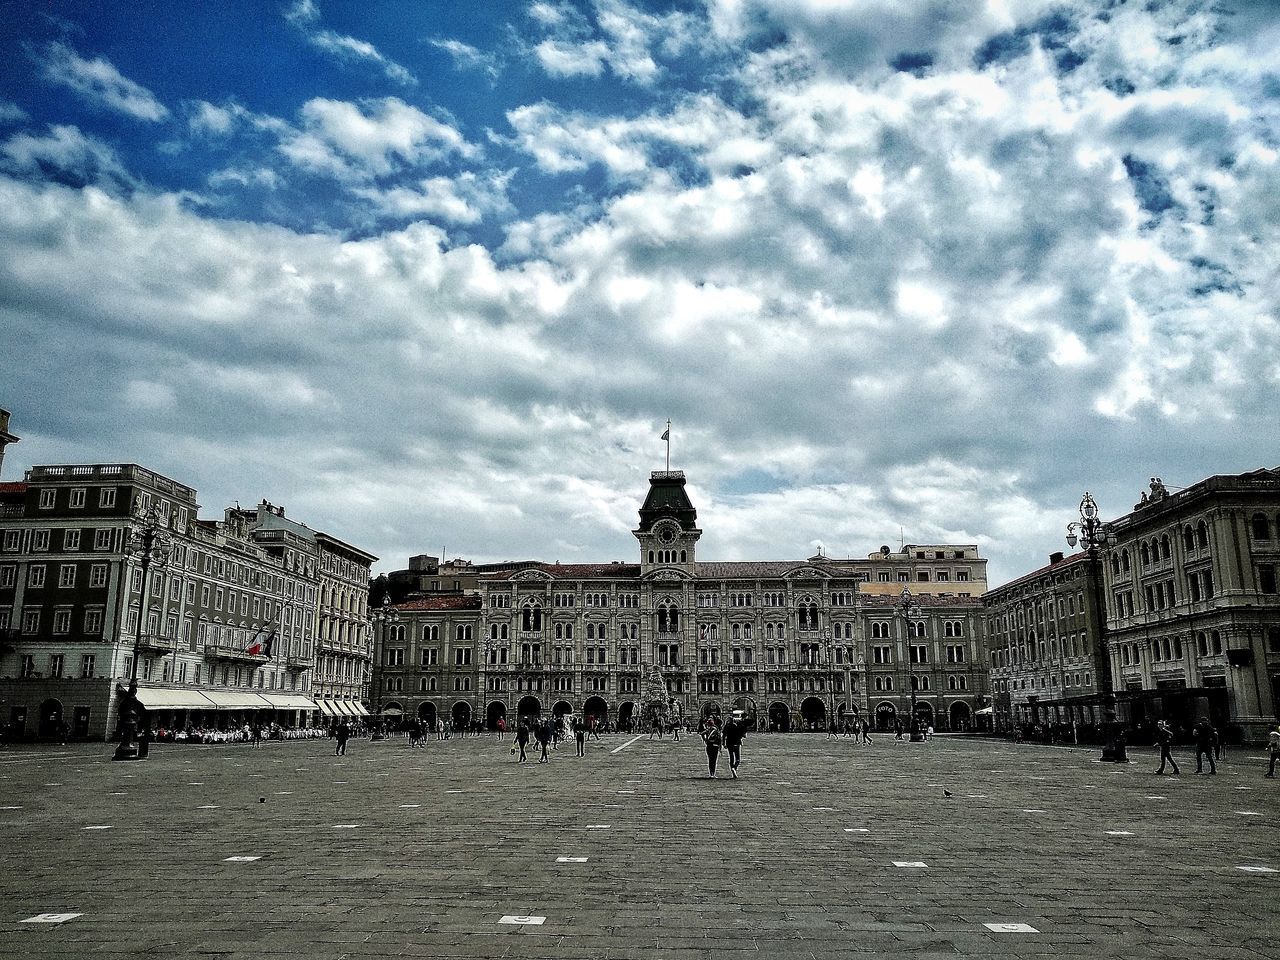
{"x":543,"y":735}
{"x":502,"y":728}
{"x":675,"y":730}
{"x":655,"y":727}
{"x":735,"y":731}
{"x":1273,"y":750}
{"x":580,"y":735}
{"x":522,"y":739}
{"x":594,"y":727}
{"x":1205,"y":736}
{"x":928,"y":732}
{"x":1164,"y":738}
{"x":897,"y":729}
{"x":866,"y":732}
{"x":344,"y":734}
{"x":713,"y":739}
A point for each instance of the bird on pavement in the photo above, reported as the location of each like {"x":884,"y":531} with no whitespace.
{"x":947,"y":793}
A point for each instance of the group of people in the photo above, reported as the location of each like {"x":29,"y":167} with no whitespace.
{"x":548,"y":732}
{"x":1208,"y":744}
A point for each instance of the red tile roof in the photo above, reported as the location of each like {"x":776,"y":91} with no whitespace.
{"x":13,"y":486}
{"x":613,"y":571}
{"x":446,"y":602}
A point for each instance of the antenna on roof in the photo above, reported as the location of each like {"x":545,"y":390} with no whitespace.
{"x":902,"y":543}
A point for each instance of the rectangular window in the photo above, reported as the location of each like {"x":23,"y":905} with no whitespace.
{"x":77,"y":498}
{"x":70,"y":540}
{"x":40,"y":540}
{"x":87,"y":665}
{"x":35,"y":576}
{"x":62,"y":621}
{"x":8,"y":575}
{"x":46,"y":498}
{"x":67,"y":576}
{"x":93,"y":622}
{"x":1267,"y":577}
{"x":102,"y":538}
{"x":31,"y":621}
{"x":12,"y":540}
{"x":107,"y":497}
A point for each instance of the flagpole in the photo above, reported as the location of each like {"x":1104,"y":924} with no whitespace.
{"x":668,"y":446}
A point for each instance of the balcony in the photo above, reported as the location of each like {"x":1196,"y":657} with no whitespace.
{"x":228,"y":651}
{"x":156,"y":645}
{"x":297,"y":663}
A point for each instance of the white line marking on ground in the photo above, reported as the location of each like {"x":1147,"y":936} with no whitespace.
{"x":1258,"y":869}
{"x":51,"y":918}
{"x":1010,"y":928}
{"x":524,"y":921}
{"x":241,"y":859}
{"x":571,"y":859}
{"x":625,"y":745}
{"x":910,"y":863}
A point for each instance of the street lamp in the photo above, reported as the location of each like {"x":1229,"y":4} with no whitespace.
{"x":386,"y":615}
{"x":1091,"y":534}
{"x":906,"y":608}
{"x":149,"y":542}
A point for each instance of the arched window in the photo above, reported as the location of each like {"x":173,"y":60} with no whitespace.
{"x":1124,"y":560}
{"x":668,"y":618}
{"x":591,"y":631}
{"x":1144,"y":554}
{"x":1261,"y":528}
{"x":807,"y":615}
{"x":684,"y":556}
{"x":768,"y":631}
{"x":735,"y":632}
{"x":651,"y":556}
{"x":1164,"y":547}
{"x":531,"y":617}
{"x":1188,"y":539}
{"x":1202,"y":535}
{"x":1115,"y":565}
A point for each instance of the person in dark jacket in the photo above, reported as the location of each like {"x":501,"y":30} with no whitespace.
{"x":1205,"y":737}
{"x":522,"y":739}
{"x":1164,"y":737}
{"x":714,"y":739}
{"x":734,"y":733}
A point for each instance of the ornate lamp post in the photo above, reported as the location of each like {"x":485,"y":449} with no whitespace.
{"x":906,"y":608}
{"x":149,"y":542}
{"x":1091,"y":533}
{"x":386,"y":615}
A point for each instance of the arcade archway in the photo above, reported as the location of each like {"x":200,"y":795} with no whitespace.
{"x":626,"y":714}
{"x":596,"y":707}
{"x":814,"y":713}
{"x":497,"y":710}
{"x":461,"y":715}
{"x":427,"y":713}
{"x":710,"y":709}
{"x":561,"y":708}
{"x":924,"y":712}
{"x":779,"y":717}
{"x":748,"y":707}
{"x":529,"y":707}
{"x":961,"y":717}
{"x":886,"y":714}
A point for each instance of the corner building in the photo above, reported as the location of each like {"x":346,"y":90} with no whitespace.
{"x":793,"y":643}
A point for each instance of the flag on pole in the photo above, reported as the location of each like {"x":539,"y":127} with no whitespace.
{"x":270,"y":642}
{"x":255,"y":645}
{"x":666,"y":434}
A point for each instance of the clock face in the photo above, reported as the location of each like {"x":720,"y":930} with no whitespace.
{"x":666,"y":534}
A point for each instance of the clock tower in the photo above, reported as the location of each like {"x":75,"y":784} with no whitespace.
{"x":668,"y":530}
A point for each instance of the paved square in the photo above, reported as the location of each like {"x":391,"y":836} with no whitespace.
{"x":687,"y":868}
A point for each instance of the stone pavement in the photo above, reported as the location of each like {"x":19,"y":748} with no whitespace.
{"x":822,"y":849}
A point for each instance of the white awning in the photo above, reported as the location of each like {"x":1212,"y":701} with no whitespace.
{"x":167,"y":698}
{"x":984,"y":712}
{"x":289,"y":701}
{"x":347,"y":707}
{"x":231,"y":700}
{"x":327,"y":708}
{"x":360,"y":709}
{"x":391,"y":711}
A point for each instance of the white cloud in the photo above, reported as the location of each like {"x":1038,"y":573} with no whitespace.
{"x":464,"y":199}
{"x":467,"y":57}
{"x":304,"y":15}
{"x":562,"y":58}
{"x":100,"y":82}
{"x":65,"y":150}
{"x":347,"y":139}
{"x":11,"y":112}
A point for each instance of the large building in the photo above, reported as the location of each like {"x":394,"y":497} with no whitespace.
{"x":791,"y":642}
{"x":225,"y":631}
{"x":1192,"y":617}
{"x":1043,"y":649}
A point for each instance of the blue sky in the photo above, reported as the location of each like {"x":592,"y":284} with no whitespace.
{"x":435,"y":273}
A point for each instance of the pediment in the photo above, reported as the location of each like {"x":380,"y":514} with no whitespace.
{"x":539,"y":575}
{"x":807,"y":573}
{"x":668,"y":575}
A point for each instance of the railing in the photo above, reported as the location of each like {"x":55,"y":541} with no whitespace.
{"x":11,"y":510}
{"x":227,"y":651}
{"x":297,"y":662}
{"x":157,"y":644}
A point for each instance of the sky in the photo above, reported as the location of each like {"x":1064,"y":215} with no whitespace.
{"x":435,"y":275}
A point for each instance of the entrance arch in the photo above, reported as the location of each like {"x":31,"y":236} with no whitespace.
{"x":626,"y":714}
{"x":529,"y":707}
{"x":710,"y":709}
{"x":779,"y":717}
{"x":427,"y":713}
{"x":561,"y":708}
{"x":461,"y":714}
{"x":960,"y":716}
{"x":596,"y":707}
{"x":748,"y":707}
{"x":925,"y":712}
{"x":50,"y":717}
{"x":814,"y":713}
{"x":886,"y":714}
{"x":497,"y":710}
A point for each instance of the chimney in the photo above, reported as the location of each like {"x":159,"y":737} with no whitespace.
{"x":1055,"y":557}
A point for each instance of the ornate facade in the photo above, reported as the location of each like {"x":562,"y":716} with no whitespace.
{"x":792,"y":643}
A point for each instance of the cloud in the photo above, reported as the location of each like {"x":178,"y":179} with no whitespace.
{"x":65,"y":153}
{"x":305,"y":15}
{"x":370,"y":138}
{"x":467,"y":57}
{"x":11,"y":112}
{"x":464,"y":199}
{"x":99,"y":82}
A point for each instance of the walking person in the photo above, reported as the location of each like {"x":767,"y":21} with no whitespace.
{"x":866,"y":732}
{"x":1164,"y":738}
{"x":1205,"y":736}
{"x":344,"y":734}
{"x":522,"y":739}
{"x":580,"y":735}
{"x":542,"y":733}
{"x":1273,"y":750}
{"x":714,"y":739}
{"x":675,"y":730}
{"x":735,"y":731}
